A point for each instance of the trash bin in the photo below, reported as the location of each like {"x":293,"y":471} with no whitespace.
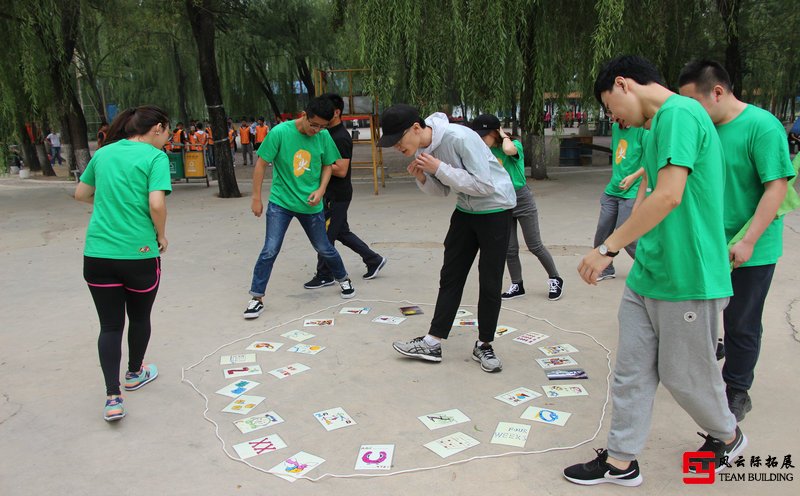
{"x":176,"y":171}
{"x":355,"y":133}
{"x":569,"y":152}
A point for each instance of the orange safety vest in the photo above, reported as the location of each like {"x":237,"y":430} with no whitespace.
{"x":201,"y":139}
{"x":244,"y":135}
{"x":261,"y":133}
{"x":231,"y":139}
{"x":210,"y":136}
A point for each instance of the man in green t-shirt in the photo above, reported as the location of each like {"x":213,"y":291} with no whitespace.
{"x":678,"y":285}
{"x":302,"y":152}
{"x":758,"y":170}
{"x":618,"y":199}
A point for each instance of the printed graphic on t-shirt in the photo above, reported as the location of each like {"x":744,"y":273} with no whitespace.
{"x":622,"y":150}
{"x":302,"y":161}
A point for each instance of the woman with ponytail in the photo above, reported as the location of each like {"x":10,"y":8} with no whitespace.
{"x":127,"y":182}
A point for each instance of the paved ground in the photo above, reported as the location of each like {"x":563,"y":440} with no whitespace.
{"x":52,"y":436}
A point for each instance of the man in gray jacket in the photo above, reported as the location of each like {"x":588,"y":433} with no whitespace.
{"x":453,"y":157}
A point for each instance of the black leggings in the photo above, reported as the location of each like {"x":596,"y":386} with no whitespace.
{"x":118,"y":286}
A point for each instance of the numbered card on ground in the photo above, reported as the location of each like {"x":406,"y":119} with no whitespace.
{"x":237,"y":359}
{"x":388,"y":319}
{"x":241,"y":371}
{"x":465,"y":323}
{"x":335,"y":418}
{"x":375,"y":457}
{"x":438,"y":420}
{"x":558,"y":349}
{"x":255,"y":447}
{"x":296,"y":335}
{"x":503,"y":330}
{"x":243,"y":405}
{"x":355,"y":310}
{"x":463,"y":312}
{"x":306,"y":349}
{"x":292,"y":369}
{"x":511,"y":434}
{"x":452,"y":444}
{"x":530,"y":338}
{"x":556,"y":361}
{"x":237,"y":388}
{"x":564,"y":390}
{"x":545,"y":415}
{"x":296,"y":466}
{"x":257,"y":422}
{"x":317,"y":322}
{"x":413,"y":310}
{"x":264,"y":346}
{"x":518,"y":396}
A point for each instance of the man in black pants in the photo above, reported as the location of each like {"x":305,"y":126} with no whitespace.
{"x":337,"y":200}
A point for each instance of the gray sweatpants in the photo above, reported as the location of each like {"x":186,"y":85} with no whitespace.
{"x":673,"y":342}
{"x":527,"y":216}
{"x":614,"y":211}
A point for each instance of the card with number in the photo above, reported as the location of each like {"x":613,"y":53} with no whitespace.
{"x":242,"y":371}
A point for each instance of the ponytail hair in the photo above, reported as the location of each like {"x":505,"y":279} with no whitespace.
{"x":135,"y":122}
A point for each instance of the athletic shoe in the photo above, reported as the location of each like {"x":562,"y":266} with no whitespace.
{"x":418,"y":348}
{"x":254,"y":309}
{"x":135,"y":380}
{"x":556,"y":286}
{"x":722,"y":452}
{"x":605,"y":275}
{"x":599,"y":471}
{"x":485,"y":355}
{"x":113,"y":409}
{"x":514,"y":291}
{"x":317,"y":282}
{"x":372,"y":270}
{"x":348,"y":291}
{"x":738,"y":402}
{"x":720,"y":349}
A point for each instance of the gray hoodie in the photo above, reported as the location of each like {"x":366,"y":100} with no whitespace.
{"x":468,"y":167}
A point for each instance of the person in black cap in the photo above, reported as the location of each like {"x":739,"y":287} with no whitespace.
{"x":509,"y":154}
{"x":449,"y":156}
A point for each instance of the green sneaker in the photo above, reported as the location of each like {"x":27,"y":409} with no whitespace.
{"x":114,"y":409}
{"x":134,"y":381}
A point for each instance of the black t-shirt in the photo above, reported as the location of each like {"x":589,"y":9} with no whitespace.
{"x":340,"y":188}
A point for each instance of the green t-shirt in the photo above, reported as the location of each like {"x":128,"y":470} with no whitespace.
{"x":627,"y":145}
{"x":685,"y":256}
{"x":515,"y":166}
{"x":756,"y":152}
{"x":123,"y":174}
{"x":297,"y":161}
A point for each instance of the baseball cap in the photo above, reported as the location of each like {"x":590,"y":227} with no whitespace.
{"x":485,"y":124}
{"x":394,"y":121}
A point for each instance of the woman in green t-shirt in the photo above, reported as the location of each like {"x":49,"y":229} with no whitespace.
{"x":126,"y":182}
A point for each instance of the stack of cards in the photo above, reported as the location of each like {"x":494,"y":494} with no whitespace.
{"x":415,"y":310}
{"x":564,"y":374}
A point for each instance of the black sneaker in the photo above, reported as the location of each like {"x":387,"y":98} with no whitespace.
{"x":348,"y":291}
{"x":418,"y":348}
{"x":317,"y":282}
{"x":254,"y":309}
{"x":556,"y":285}
{"x":372,"y":270}
{"x":720,"y":349}
{"x":722,"y":452}
{"x":514,"y":291}
{"x":738,"y":402}
{"x":599,"y":471}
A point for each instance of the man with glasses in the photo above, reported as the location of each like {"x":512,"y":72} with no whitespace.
{"x":302,"y":152}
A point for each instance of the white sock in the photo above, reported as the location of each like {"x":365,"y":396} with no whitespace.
{"x":480,"y":343}
{"x":432,"y":341}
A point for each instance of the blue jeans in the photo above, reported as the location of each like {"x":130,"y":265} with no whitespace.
{"x":278,"y":219}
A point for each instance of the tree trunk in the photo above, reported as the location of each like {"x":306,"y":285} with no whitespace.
{"x":263,"y":83}
{"x":729,"y":9}
{"x":79,"y":132}
{"x":203,"y":21}
{"x":531,"y":97}
{"x":28,"y":150}
{"x":180,"y":76}
{"x":305,"y":75}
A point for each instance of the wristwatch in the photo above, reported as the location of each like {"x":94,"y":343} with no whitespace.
{"x":603,"y":249}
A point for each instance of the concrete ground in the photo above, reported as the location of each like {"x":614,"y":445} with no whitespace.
{"x":54,"y":440}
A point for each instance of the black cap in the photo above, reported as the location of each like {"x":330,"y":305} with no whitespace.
{"x":485,"y":124}
{"x":394,"y":121}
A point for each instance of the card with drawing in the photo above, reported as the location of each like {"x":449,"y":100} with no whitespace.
{"x":438,"y":420}
{"x":556,"y":361}
{"x":564,"y":390}
{"x":465,"y":323}
{"x":237,"y":359}
{"x":255,"y":447}
{"x":292,"y":369}
{"x":355,"y":310}
{"x":257,"y":422}
{"x":503,"y":330}
{"x":335,"y":418}
{"x":298,"y":336}
{"x":463,"y":312}
{"x":566,"y":374}
{"x":264,"y":346}
{"x":518,"y":396}
{"x":388,"y":319}
{"x":296,"y":466}
{"x":452,"y":444}
{"x":306,"y":349}
{"x":545,"y":415}
{"x":237,"y":388}
{"x":511,"y":434}
{"x":558,"y":349}
{"x":242,"y":371}
{"x":375,"y":457}
{"x":413,"y":310}
{"x":530,"y":338}
{"x":243,"y":404}
{"x":317,"y":322}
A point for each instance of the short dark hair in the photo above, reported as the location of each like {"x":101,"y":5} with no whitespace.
{"x":320,"y":107}
{"x":705,"y":74}
{"x":634,"y":67}
{"x":338,"y":101}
